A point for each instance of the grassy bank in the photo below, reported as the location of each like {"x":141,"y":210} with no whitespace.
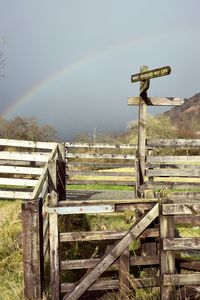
{"x":11,"y":272}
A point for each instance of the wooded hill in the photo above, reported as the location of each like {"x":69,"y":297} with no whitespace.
{"x":187,"y":116}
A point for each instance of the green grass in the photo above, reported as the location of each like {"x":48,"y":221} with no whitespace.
{"x":117,"y":221}
{"x":100,"y":187}
{"x":11,"y":272}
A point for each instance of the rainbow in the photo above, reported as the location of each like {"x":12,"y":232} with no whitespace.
{"x":42,"y":85}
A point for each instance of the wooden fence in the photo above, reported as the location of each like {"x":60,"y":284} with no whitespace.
{"x":35,"y":222}
{"x":21,"y":165}
{"x":113,"y":264}
{"x":111,"y":270}
{"x":100,"y":164}
{"x":180,"y":169}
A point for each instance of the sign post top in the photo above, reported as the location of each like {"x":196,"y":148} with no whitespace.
{"x":151,"y":74}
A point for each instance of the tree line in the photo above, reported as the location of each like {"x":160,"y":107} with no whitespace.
{"x":27,"y":129}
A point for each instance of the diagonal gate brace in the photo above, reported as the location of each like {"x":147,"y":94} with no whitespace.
{"x":110,"y":257}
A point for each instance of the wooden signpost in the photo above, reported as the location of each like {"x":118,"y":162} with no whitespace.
{"x":143,"y":101}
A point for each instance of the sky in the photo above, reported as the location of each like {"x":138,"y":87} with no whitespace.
{"x":69,"y":62}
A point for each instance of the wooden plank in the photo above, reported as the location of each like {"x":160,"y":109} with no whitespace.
{"x":108,"y":201}
{"x":17,"y":163}
{"x":173,"y":172}
{"x":173,"y":184}
{"x":31,"y":250}
{"x":97,"y":173}
{"x":113,"y":284}
{"x":102,"y":235}
{"x":27,"y":144}
{"x":172,"y":166}
{"x":89,"y":209}
{"x":100,"y":165}
{"x":44,"y":192}
{"x":100,"y":156}
{"x":113,"y":254}
{"x":61,"y":185}
{"x":144,"y":260}
{"x":100,"y":145}
{"x":18,"y":182}
{"x":20,"y":170}
{"x":24,"y":156}
{"x":52,"y":175}
{"x":181,"y":209}
{"x":177,"y":143}
{"x":167,"y":258}
{"x":110,"y":284}
{"x":54,"y":243}
{"x":184,"y":196}
{"x":92,"y":262}
{"x":106,"y":182}
{"x":182,"y":279}
{"x":155,"y":101}
{"x":124,"y":276}
{"x":15,"y":195}
{"x":192,"y":220}
{"x":190,"y":265}
{"x":43,"y":177}
{"x":172,"y":159}
{"x":180,"y":244}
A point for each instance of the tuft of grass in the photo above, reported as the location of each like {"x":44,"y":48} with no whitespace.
{"x":11,"y":272}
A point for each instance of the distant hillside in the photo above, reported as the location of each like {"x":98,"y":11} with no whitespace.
{"x":187,"y":116}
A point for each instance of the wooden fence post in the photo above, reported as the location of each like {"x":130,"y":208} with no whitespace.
{"x":32,"y":252}
{"x":167,"y":258}
{"x":61,"y":172}
{"x":124,"y":271}
{"x":142,"y":133}
{"x":54,"y":243}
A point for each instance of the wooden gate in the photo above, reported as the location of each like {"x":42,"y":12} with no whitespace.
{"x":96,"y":267}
